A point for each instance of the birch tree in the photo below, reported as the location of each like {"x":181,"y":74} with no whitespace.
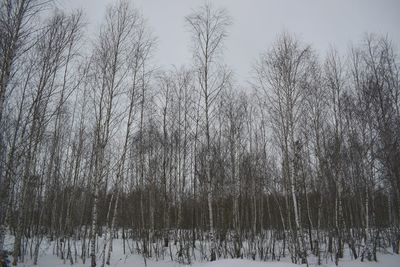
{"x":16,"y":29}
{"x":209,"y":30}
{"x":109,"y":75}
{"x":282,"y":75}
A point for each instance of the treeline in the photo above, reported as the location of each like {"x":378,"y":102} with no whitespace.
{"x":94,"y":138}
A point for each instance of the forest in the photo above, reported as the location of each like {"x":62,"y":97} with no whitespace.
{"x":99,"y":145}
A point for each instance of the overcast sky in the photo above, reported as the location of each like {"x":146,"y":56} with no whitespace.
{"x":256,"y":23}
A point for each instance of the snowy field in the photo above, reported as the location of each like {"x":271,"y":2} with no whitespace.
{"x":48,"y":258}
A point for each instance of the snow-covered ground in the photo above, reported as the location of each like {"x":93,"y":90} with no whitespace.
{"x":47,"y":259}
{"x":135,"y":260}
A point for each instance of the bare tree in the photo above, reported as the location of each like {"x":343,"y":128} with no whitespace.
{"x":283,"y":73}
{"x":209,"y":29}
{"x":16,"y":29}
{"x":115,"y":44}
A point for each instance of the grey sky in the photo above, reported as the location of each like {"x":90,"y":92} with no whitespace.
{"x":256,"y":23}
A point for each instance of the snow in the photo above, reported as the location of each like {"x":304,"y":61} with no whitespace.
{"x":244,"y":263}
{"x":136,"y":260}
{"x":118,"y":259}
{"x":384,"y":260}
